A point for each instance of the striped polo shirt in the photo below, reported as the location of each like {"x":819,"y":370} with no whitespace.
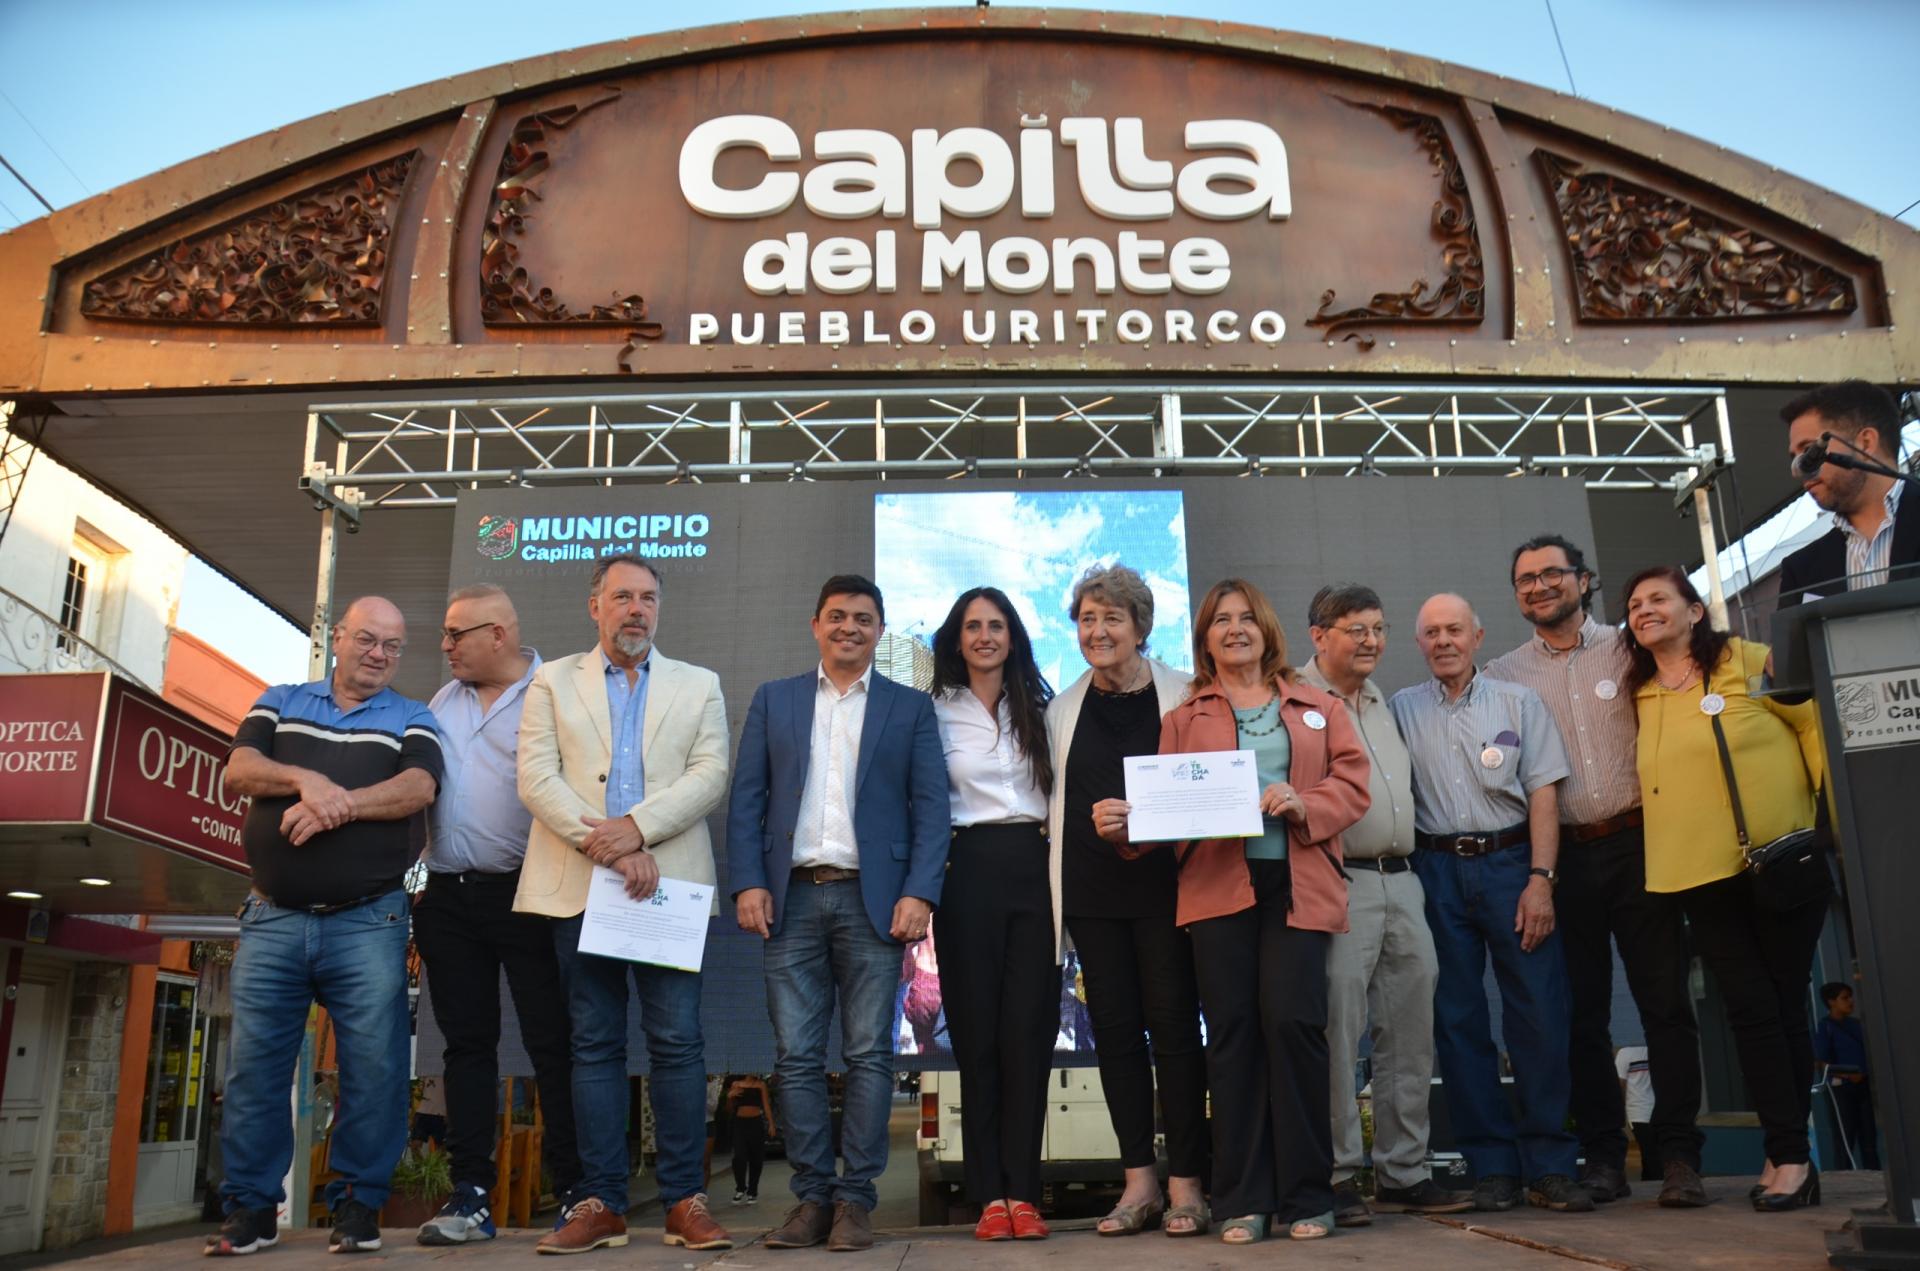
{"x":301,"y":725}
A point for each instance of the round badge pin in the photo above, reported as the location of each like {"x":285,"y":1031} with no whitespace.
{"x":1712,"y":704}
{"x":1314,"y":720}
{"x":1606,"y":690}
{"x":1492,"y":757}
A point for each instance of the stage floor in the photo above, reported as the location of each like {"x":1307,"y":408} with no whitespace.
{"x":1630,"y":1234}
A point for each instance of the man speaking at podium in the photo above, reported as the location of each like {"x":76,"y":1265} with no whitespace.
{"x":1832,"y":430}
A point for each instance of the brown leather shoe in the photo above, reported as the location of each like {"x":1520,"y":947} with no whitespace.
{"x":805,"y":1226}
{"x":852,"y":1228}
{"x":1683,"y":1189}
{"x":590,"y":1225}
{"x":691,"y":1226}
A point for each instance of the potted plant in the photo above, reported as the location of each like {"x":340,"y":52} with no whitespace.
{"x":422,"y":1181}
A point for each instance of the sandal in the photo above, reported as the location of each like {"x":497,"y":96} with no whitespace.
{"x":1133,"y":1219}
{"x":1318,"y":1227}
{"x":1250,"y":1230}
{"x":1197,"y":1214}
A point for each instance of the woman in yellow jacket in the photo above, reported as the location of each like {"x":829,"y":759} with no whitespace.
{"x":1684,"y":676}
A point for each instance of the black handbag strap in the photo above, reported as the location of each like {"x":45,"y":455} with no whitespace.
{"x":1733,"y":787}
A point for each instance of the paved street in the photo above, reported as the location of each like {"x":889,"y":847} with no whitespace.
{"x":1633,"y":1234}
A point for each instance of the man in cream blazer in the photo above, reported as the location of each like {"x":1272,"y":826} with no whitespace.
{"x":623,"y":753}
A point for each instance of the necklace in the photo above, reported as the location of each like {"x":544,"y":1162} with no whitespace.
{"x":1143,"y":681}
{"x":1246,"y":722}
{"x":1685,"y":680}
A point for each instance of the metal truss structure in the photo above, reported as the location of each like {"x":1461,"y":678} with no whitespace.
{"x":420,"y":454}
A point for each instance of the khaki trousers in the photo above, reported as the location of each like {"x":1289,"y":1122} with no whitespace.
{"x":1384,"y":968}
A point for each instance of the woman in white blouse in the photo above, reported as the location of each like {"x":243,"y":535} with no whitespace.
{"x":999,"y":982}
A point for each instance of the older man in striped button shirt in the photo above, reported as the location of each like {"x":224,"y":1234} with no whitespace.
{"x":1577,"y":666}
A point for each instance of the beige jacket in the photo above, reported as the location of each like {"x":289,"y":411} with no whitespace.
{"x":565,"y":745}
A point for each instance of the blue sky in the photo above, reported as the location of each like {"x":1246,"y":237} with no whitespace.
{"x":930,"y":547}
{"x":102,"y":92}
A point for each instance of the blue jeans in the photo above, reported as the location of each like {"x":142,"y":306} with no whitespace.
{"x":1470,"y":907}
{"x":676,"y":1068}
{"x":827,"y":942}
{"x":353,"y":963}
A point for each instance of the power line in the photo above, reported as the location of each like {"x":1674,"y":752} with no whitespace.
{"x":23,"y":181}
{"x":1908,"y":208}
{"x":1563,"y":48}
{"x":43,"y":141}
{"x":11,"y":213}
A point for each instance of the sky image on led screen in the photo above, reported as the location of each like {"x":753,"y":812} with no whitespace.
{"x":929,"y":547}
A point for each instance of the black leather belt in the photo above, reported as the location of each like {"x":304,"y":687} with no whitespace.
{"x":1631,"y":819}
{"x":1470,"y":845}
{"x":1384,"y":864}
{"x":824,"y":873}
{"x":320,"y":911}
{"x":473,"y":876}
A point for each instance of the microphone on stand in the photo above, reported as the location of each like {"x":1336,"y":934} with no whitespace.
{"x":1806,"y":464}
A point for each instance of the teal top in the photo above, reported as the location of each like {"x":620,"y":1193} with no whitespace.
{"x":1262,"y":732}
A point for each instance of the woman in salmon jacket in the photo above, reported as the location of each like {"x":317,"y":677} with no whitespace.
{"x":1262,"y":911}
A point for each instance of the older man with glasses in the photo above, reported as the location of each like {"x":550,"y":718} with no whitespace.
{"x":1578,"y":666}
{"x":465,"y":922}
{"x":335,"y":769}
{"x":1383,"y":966}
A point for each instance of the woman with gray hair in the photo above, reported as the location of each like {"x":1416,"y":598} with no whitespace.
{"x":1137,"y":964}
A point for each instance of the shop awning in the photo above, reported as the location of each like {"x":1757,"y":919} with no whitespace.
{"x":111,"y":801}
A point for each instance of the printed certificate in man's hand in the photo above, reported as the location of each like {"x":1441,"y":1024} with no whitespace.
{"x":1214,"y":794}
{"x":668,"y":928}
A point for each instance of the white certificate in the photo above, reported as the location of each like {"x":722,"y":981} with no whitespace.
{"x":1214,"y":794}
{"x":668,"y":928}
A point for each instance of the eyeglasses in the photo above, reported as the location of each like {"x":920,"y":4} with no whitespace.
{"x":453,"y":637}
{"x":1550,"y":577}
{"x":367,"y":642}
{"x":1357,"y":632}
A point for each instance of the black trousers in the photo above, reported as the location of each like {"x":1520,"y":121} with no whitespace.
{"x":749,"y":1152}
{"x":1001,"y":990}
{"x":1139,"y":978}
{"x":1263,"y":986}
{"x":1602,"y":899}
{"x":466,"y":930}
{"x":1762,"y":961}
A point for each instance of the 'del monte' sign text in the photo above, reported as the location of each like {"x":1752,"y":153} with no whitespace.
{"x":1233,"y":169}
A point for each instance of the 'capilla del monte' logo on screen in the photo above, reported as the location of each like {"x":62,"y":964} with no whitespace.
{"x":553,"y":539}
{"x":498,"y":536}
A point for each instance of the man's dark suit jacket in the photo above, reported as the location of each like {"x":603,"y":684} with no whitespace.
{"x":1818,"y":566}
{"x":902,"y":815}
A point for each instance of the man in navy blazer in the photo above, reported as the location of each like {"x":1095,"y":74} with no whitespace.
{"x":837,"y":837}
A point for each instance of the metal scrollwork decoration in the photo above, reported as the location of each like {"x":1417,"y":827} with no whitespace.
{"x":508,"y":292}
{"x":1460,"y":296}
{"x":316,"y":256}
{"x":1643,"y":256}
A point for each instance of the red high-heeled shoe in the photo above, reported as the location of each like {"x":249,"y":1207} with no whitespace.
{"x":994,"y":1222}
{"x":1027,"y":1222}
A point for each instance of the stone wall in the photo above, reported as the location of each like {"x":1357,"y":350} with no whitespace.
{"x":83,"y":1125}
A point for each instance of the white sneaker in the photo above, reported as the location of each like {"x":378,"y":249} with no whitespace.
{"x":465,"y":1217}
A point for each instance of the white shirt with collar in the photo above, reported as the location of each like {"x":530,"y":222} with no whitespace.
{"x":989,"y":781}
{"x":825,"y":834}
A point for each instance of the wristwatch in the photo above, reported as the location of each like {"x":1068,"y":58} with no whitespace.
{"x":1552,"y":876}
